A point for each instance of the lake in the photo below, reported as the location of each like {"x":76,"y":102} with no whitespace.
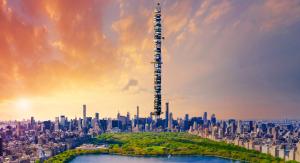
{"x":129,"y":159}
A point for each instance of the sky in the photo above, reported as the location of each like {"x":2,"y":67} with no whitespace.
{"x":237,"y":59}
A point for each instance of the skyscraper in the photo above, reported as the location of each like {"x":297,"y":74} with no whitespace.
{"x":70,"y":125}
{"x":56,"y":124}
{"x":251,"y":126}
{"x":170,"y":122}
{"x":167,"y":114}
{"x":109,"y":124}
{"x":79,"y":124}
{"x":205,"y":117}
{"x":186,"y":118}
{"x":128,"y":115}
{"x":95,"y":121}
{"x":84,"y":116}
{"x":62,"y":120}
{"x":186,"y":122}
{"x":128,"y":120}
{"x":19,"y":132}
{"x":157,"y":61}
{"x":118,"y":115}
{"x":97,"y":116}
{"x":137,"y":116}
{"x":32,"y":122}
{"x":239,"y":129}
{"x":213,"y":119}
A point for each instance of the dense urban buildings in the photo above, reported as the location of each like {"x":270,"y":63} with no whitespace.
{"x":31,"y":140}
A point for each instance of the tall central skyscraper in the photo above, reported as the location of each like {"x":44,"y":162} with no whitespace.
{"x":157,"y":61}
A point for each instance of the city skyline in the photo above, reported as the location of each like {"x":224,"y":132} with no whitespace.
{"x":236,"y":59}
{"x":85,"y":113}
{"x":34,"y":140}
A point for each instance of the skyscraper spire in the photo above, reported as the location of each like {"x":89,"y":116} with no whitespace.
{"x":157,"y":60}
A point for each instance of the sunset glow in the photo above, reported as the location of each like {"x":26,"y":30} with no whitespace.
{"x":233,"y":58}
{"x":23,"y":104}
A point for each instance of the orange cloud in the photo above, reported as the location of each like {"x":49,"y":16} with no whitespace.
{"x":175,"y":18}
{"x":89,"y":51}
{"x":53,"y":45}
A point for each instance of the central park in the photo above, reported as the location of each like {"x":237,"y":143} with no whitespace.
{"x":164,"y":144}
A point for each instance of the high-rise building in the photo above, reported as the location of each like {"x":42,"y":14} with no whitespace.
{"x":170,"y":123}
{"x":213,"y":119}
{"x":128,"y":115}
{"x":47,"y":125}
{"x":205,"y":117}
{"x":56,"y":124}
{"x":62,"y":120}
{"x":32,"y":122}
{"x":137,"y":116}
{"x":186,"y":118}
{"x":195,"y":125}
{"x":239,"y":129}
{"x":1,"y":146}
{"x":79,"y":124}
{"x":118,"y":115}
{"x":186,"y":122}
{"x":157,"y":60}
{"x":128,"y":126}
{"x":275,"y":133}
{"x":251,"y":126}
{"x":109,"y":124}
{"x":19,"y":132}
{"x":167,"y":114}
{"x":97,"y":116}
{"x":84,"y":117}
{"x":70,"y":125}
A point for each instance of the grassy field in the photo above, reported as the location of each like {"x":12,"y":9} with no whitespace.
{"x":158,"y":144}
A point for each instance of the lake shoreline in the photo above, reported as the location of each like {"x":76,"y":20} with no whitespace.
{"x":159,"y":158}
{"x":156,"y":156}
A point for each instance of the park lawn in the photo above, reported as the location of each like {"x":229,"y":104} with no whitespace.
{"x":166,"y":143}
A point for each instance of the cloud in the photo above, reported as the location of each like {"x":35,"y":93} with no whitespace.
{"x":50,"y":46}
{"x":262,"y":16}
{"x":280,"y":13}
{"x":131,"y":83}
{"x":230,"y":56}
{"x":214,"y":50}
{"x":217,"y":11}
{"x":176,"y":17}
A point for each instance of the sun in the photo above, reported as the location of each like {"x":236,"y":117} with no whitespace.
{"x":23,"y":104}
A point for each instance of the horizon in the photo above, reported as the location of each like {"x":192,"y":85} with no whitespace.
{"x":142,"y":116}
{"x":236,"y":59}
